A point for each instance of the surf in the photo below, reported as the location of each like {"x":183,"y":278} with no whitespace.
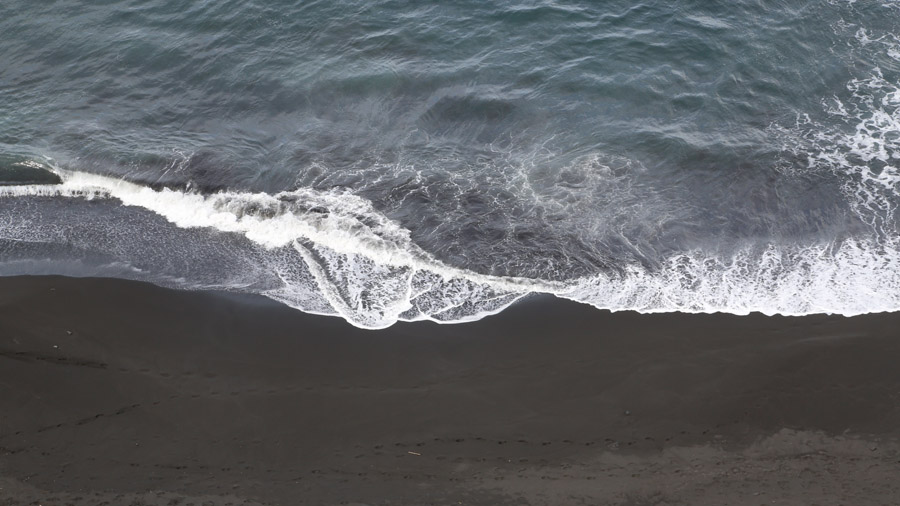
{"x":334,"y":253}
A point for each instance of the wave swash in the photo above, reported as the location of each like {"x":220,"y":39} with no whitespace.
{"x":333,"y":253}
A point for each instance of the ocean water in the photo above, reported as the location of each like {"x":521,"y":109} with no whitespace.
{"x":385,"y":160}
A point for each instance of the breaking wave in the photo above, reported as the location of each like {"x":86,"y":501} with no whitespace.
{"x":332,"y":253}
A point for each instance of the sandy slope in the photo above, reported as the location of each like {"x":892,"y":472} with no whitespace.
{"x":123,"y":393}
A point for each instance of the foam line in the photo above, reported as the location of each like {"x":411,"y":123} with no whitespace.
{"x":370,"y":272}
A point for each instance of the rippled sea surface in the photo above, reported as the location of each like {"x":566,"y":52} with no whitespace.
{"x":395,"y":160}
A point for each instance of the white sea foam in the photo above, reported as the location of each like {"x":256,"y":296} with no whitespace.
{"x":333,"y":253}
{"x":862,"y":148}
{"x":364,"y":265}
{"x":850,"y":278}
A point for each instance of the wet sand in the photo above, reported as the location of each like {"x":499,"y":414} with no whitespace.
{"x":116,"y":392}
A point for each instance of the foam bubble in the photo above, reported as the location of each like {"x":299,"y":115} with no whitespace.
{"x":850,"y":278}
{"x":862,"y":150}
{"x":362,"y":264}
{"x":333,"y":253}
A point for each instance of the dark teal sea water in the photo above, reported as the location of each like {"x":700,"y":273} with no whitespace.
{"x":396,"y":160}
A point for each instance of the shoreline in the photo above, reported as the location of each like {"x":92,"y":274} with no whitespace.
{"x":123,"y":391}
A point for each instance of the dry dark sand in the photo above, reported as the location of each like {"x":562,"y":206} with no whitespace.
{"x":116,"y":392}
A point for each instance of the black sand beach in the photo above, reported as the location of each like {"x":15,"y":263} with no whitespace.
{"x":116,"y":392}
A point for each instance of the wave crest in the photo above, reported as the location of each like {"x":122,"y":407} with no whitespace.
{"x":333,"y":253}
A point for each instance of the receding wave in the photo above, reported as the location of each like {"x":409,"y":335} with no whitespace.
{"x":332,"y":252}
